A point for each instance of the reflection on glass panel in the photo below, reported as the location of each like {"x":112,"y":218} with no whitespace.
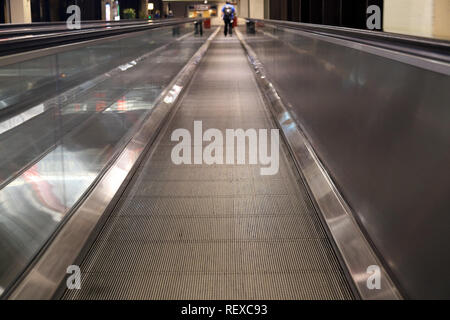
{"x":67,"y":115}
{"x":21,"y":83}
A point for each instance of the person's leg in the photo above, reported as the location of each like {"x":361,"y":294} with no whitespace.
{"x":231,"y":28}
{"x":226,"y":27}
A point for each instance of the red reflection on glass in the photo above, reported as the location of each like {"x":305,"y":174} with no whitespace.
{"x":43,"y":189}
{"x":100,"y":105}
{"x":122,"y":104}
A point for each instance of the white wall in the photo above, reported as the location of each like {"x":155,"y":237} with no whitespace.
{"x":20,"y":11}
{"x":215,"y":21}
{"x":426,"y":18}
{"x":243,"y":8}
{"x":256,"y":9}
{"x":441,"y":21}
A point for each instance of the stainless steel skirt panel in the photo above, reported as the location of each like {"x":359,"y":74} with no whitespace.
{"x":381,"y":129}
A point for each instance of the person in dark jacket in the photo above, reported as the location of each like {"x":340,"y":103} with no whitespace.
{"x":228,"y":13}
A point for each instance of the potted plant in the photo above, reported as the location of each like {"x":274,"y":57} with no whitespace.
{"x":129,"y":13}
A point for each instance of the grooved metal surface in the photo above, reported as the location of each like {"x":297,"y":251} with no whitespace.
{"x":213,"y":232}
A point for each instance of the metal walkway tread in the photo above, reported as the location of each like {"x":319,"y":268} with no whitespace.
{"x":213,"y":232}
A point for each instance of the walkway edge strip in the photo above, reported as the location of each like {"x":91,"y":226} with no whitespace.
{"x":355,"y":251}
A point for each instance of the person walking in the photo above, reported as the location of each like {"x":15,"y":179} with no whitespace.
{"x":199,"y":25}
{"x":228,"y":12}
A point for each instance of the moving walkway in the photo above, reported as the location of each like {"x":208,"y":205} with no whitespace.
{"x":99,"y":188}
